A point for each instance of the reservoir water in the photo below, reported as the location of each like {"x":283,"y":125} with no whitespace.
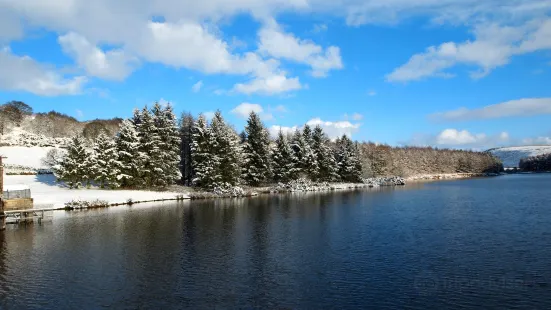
{"x":482,"y":243}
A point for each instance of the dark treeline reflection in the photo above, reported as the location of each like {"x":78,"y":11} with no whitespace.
{"x":457,"y":244}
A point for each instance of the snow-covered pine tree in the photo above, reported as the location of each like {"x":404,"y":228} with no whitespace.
{"x":347,"y":156}
{"x":204,"y":161}
{"x":128,"y":144}
{"x":242,"y":137}
{"x":74,"y":168}
{"x":169,"y":145}
{"x":106,"y":164}
{"x":136,"y":117}
{"x":186,"y":131}
{"x":327,"y":167}
{"x":150,"y":152}
{"x":226,"y":147}
{"x":307,"y":133}
{"x":256,"y":152}
{"x":311,"y":166}
{"x":305,"y":159}
{"x":283,"y":160}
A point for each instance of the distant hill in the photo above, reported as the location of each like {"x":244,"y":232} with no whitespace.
{"x":511,"y":156}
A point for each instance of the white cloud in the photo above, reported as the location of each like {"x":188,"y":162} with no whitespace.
{"x":244,"y":109}
{"x":335,"y":129}
{"x":22,"y":73}
{"x":111,"y":65}
{"x":521,"y":107}
{"x":197,"y":87}
{"x":456,"y":137}
{"x":537,"y":141}
{"x":189,"y":36}
{"x":10,"y":27}
{"x":332,"y":129}
{"x":493,"y":47}
{"x":463,"y":138}
{"x":319,"y":28}
{"x":279,"y":44}
{"x":275,"y":129}
{"x":274,"y":84}
{"x":357,"y":116}
{"x":79,"y":114}
{"x":372,"y":93}
{"x":163,"y":102}
{"x":280,"y":108}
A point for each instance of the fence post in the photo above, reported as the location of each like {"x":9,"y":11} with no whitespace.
{"x":2,"y":215}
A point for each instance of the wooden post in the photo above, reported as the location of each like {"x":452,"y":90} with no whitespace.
{"x":2,"y":215}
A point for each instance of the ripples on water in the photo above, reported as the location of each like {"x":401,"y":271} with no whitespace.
{"x":456,"y":244}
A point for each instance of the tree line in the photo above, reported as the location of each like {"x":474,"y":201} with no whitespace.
{"x":385,"y":160}
{"x":52,"y":124}
{"x":152,"y":149}
{"x":537,"y":163}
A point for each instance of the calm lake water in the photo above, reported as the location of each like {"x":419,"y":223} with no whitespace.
{"x":453,"y":244}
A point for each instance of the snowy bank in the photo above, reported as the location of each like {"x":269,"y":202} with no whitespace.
{"x":47,"y":193}
{"x":448,"y":176}
{"x":303,"y":185}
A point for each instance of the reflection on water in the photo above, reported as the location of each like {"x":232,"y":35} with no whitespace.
{"x":455,"y":244}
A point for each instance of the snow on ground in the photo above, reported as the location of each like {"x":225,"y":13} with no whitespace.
{"x":511,"y":156}
{"x":30,"y":157}
{"x":47,"y":193}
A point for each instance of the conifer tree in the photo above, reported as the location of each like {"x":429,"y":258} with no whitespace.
{"x":349,"y":164}
{"x":327,"y":167}
{"x":186,"y":131}
{"x":129,"y":158}
{"x":225,"y":145}
{"x":74,"y":168}
{"x":204,"y":162}
{"x":305,"y":159}
{"x":167,"y":170}
{"x":283,"y":160}
{"x":150,"y":153}
{"x":136,"y":117}
{"x":308,"y":135}
{"x":256,"y":152}
{"x":106,"y":162}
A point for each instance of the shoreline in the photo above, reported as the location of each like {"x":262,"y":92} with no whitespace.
{"x":181,"y":193}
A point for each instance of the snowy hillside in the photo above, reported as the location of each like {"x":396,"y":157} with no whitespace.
{"x":20,"y":137}
{"x":511,"y":156}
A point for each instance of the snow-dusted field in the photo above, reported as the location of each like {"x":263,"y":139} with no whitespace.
{"x":47,"y":193}
{"x":24,"y":156}
{"x":511,"y":156}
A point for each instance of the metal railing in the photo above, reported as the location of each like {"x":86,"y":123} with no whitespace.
{"x":17,"y":194}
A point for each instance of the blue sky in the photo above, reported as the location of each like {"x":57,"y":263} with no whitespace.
{"x":452,"y":73}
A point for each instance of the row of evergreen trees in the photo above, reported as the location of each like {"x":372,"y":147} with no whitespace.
{"x":151,"y":150}
{"x":144,"y":153}
{"x":218,"y":155}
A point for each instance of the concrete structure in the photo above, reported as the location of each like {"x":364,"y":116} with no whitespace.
{"x":17,"y":197}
